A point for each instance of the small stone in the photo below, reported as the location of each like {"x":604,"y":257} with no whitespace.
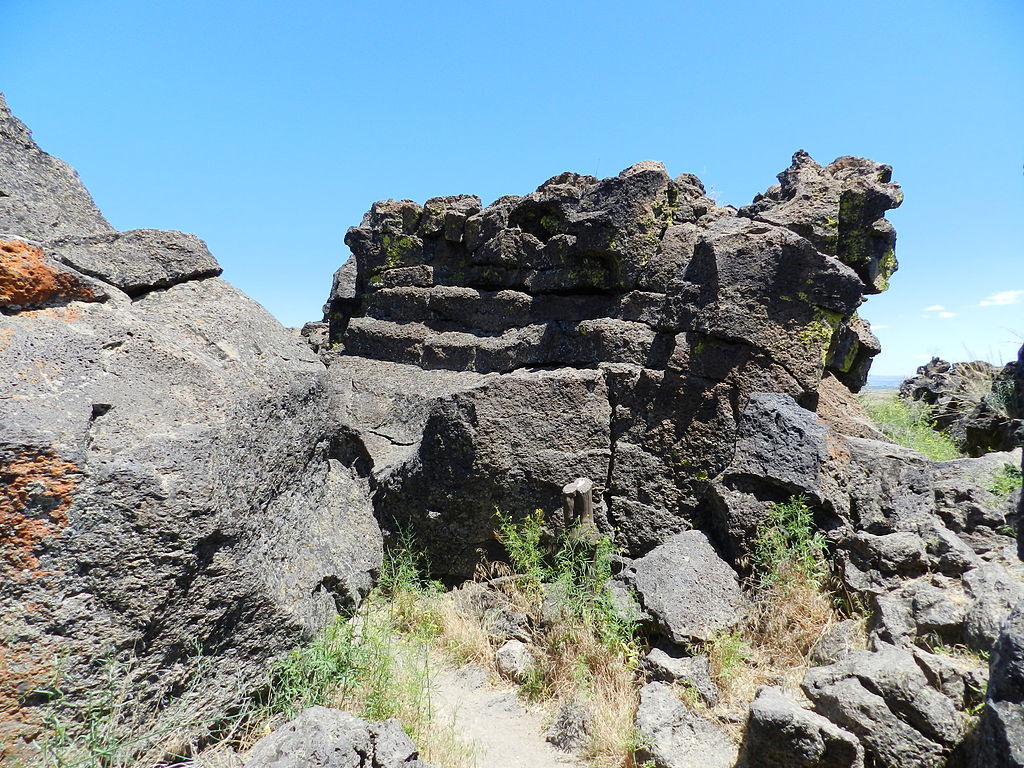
{"x":694,"y":671}
{"x":674,"y":737}
{"x":571,"y":728}
{"x":513,"y":660}
{"x":837,"y":642}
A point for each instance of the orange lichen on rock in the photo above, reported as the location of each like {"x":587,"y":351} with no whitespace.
{"x":36,"y":490}
{"x":29,"y":280}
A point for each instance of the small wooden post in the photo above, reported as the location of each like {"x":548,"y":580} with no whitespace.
{"x":578,"y":502}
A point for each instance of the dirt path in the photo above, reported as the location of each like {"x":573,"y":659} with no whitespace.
{"x":508,"y":736}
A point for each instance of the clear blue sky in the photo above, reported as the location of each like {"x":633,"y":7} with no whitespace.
{"x":267,"y":128}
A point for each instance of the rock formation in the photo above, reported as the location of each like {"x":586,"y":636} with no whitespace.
{"x":609,"y":328}
{"x":696,"y":361}
{"x":977,"y":403}
{"x":190,"y":489}
{"x":173,"y":508}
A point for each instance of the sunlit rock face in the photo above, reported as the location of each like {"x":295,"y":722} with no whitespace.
{"x":613,"y":328}
{"x":172,"y":509}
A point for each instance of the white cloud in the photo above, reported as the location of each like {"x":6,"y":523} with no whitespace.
{"x":934,"y":308}
{"x":924,"y":357}
{"x":947,"y":314}
{"x":879,"y":327}
{"x":1002,"y":298}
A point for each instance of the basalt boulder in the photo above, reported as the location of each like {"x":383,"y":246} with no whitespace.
{"x":1000,"y":740}
{"x":175,"y":503}
{"x":978,"y":404}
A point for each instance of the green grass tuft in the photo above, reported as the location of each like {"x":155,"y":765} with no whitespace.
{"x":787,"y":542}
{"x":909,"y":424}
{"x":1005,"y":481}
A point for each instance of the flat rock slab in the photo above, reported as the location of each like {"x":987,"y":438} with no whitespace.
{"x":688,"y":591}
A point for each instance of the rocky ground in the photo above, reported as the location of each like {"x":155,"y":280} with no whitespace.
{"x":191,"y":490}
{"x":976,"y":403}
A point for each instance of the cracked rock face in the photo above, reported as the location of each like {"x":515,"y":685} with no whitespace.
{"x":615,"y":329}
{"x":172,"y":499}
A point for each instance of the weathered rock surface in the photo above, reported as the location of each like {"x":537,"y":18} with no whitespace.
{"x":782,"y":733}
{"x":572,"y":728}
{"x":888,"y":701}
{"x":513,"y":660}
{"x":837,"y":642}
{"x":672,"y":736}
{"x":688,"y":591}
{"x":173,"y":495}
{"x":669,"y":666}
{"x":329,"y":738}
{"x":1000,"y":739}
{"x":139,"y":261}
{"x":41,"y":197}
{"x":621,"y":325}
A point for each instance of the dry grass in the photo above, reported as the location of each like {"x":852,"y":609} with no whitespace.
{"x":771,"y":646}
{"x":792,"y":608}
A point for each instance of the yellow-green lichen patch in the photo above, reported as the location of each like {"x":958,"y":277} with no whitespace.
{"x":886,"y":266}
{"x":396,"y":249}
{"x":819,"y":331}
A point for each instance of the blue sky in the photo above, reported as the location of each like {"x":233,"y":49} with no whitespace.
{"x":268,"y":128}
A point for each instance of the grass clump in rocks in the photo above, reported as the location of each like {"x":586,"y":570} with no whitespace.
{"x":1005,"y":481}
{"x":910,"y":424}
{"x":584,"y":652}
{"x":380,"y":663}
{"x":792,"y":607}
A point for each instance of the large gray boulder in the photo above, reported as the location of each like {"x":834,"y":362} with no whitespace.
{"x":176,"y":502}
{"x":686,"y":589}
{"x":782,"y":733}
{"x":329,"y":738}
{"x":138,"y":261}
{"x":900,"y":715}
{"x":672,"y":736}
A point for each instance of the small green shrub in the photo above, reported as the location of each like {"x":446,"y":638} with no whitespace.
{"x":522,"y":542}
{"x":578,"y":570}
{"x":1005,"y":481}
{"x":909,"y":424}
{"x":583,"y":650}
{"x":787,"y":543}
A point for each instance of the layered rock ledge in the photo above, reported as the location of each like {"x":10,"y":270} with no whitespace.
{"x":606,"y":328}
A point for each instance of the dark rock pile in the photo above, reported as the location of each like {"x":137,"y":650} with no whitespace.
{"x":978,"y":404}
{"x":696,"y":361}
{"x":612,"y":329}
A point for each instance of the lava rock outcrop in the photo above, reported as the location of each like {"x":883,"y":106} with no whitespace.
{"x":609,"y":328}
{"x":173,"y":510}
